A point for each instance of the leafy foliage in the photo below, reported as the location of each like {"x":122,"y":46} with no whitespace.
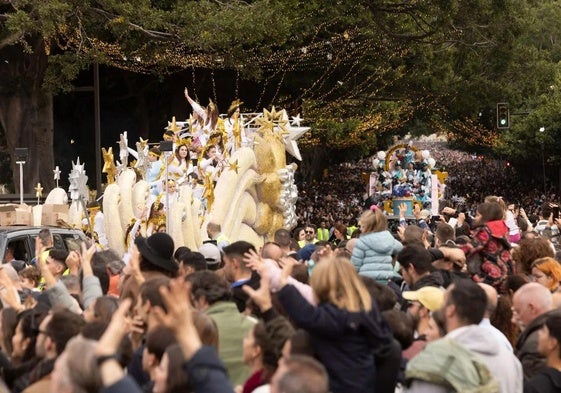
{"x":361,"y":71}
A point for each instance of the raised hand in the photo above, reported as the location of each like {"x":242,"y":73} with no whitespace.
{"x":288,"y":264}
{"x":179,"y":316}
{"x":73,"y":262}
{"x":86,"y":258}
{"x":134,"y":265}
{"x":109,"y":343}
{"x":262,"y":295}
{"x":402,"y":210}
{"x":253,"y":260}
{"x":9,"y":293}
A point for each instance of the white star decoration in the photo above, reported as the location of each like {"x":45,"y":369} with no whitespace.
{"x":142,"y":163}
{"x":296,"y":120}
{"x":124,"y":148}
{"x":78,"y":181}
{"x":56,"y":173}
{"x":293,"y":134}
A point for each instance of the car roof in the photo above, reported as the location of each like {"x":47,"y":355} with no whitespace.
{"x":27,"y":228}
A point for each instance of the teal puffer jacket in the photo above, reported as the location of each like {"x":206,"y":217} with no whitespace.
{"x":372,"y":255}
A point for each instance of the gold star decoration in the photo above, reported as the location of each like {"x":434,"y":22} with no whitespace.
{"x":38,"y":190}
{"x":264,"y":124}
{"x":143,"y":143}
{"x":109,"y":165}
{"x":234,"y":166}
{"x":280,"y":119}
{"x":209,"y":190}
{"x":442,"y":176}
{"x":173,"y":125}
{"x":273,"y":114}
{"x":271,"y":119}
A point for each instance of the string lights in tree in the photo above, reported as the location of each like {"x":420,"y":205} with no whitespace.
{"x":346,"y":68}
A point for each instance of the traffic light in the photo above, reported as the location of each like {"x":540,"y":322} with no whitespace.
{"x":503,"y":116}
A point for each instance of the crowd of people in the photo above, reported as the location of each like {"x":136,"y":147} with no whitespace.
{"x":466,"y":303}
{"x":343,"y":191}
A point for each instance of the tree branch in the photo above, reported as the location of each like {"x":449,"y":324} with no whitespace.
{"x":151,"y":33}
{"x":11,"y":39}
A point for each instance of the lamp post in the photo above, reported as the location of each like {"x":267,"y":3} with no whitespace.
{"x":167,"y":148}
{"x":542,"y":130}
{"x":21,"y":158}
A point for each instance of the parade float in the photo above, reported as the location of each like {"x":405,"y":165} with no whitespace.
{"x":250,"y":193}
{"x":406,"y":176}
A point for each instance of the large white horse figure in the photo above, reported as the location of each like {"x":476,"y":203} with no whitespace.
{"x":252,"y":198}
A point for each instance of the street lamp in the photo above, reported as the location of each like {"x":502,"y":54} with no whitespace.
{"x":21,"y":157}
{"x":167,"y":148}
{"x":542,"y":130}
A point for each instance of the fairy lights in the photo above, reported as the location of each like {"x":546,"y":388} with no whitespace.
{"x":343,"y":69}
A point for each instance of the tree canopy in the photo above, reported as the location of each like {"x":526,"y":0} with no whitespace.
{"x":361,"y":70}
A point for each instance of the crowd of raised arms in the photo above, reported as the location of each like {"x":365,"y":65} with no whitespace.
{"x":464,"y":302}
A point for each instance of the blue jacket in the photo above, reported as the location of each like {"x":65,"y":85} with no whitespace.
{"x":372,"y":255}
{"x":343,"y":341}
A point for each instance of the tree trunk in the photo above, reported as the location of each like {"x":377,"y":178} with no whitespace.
{"x":26,"y":115}
{"x":314,"y":163}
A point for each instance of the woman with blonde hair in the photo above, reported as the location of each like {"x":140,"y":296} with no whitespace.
{"x":547,"y":272}
{"x":374,"y":251}
{"x":345,"y":326}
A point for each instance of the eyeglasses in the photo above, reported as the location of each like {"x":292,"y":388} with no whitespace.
{"x":309,"y":232}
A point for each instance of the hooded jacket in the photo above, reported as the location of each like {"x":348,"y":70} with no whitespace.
{"x":448,"y":366}
{"x":502,"y":363}
{"x":372,"y":255}
{"x":343,"y":341}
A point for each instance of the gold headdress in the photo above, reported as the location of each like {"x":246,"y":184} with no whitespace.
{"x":157,"y":205}
{"x":233,"y":106}
{"x":157,"y":220}
{"x":155,"y":152}
{"x":173,"y":126}
{"x":184,"y":142}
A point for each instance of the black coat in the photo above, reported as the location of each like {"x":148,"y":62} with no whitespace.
{"x":547,"y":381}
{"x":238,"y":294}
{"x":526,"y":347}
{"x":343,"y":341}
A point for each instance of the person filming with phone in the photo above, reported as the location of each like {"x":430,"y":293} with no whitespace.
{"x":549,"y":223}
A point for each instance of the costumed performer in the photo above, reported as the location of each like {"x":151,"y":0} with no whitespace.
{"x":179,"y":164}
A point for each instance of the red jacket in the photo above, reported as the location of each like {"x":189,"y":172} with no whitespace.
{"x":488,"y":256}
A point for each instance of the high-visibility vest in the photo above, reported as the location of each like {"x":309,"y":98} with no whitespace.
{"x":323,"y":234}
{"x":302,"y":243}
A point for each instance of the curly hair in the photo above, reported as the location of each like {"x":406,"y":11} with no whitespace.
{"x":209,"y":285}
{"x":530,"y":249}
{"x":271,"y":337}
